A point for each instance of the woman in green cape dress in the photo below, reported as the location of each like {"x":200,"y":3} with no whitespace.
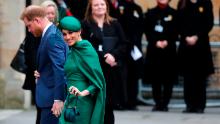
{"x":84,"y":76}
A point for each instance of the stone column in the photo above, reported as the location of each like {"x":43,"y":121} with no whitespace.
{"x":12,"y":33}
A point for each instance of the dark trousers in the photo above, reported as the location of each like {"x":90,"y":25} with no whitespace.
{"x":162,"y":92}
{"x":132,"y":83}
{"x":37,"y":108}
{"x":47,"y":117}
{"x":195,"y":91}
{"x":109,"y":115}
{"x":38,"y":115}
{"x":119,"y":86}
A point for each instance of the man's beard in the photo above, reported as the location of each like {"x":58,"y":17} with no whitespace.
{"x":37,"y":32}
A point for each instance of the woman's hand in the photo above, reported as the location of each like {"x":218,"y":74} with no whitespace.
{"x":162,"y":44}
{"x":191,"y":40}
{"x":110,"y":59}
{"x":76,"y":92}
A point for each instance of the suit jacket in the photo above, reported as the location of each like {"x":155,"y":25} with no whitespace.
{"x":196,"y":19}
{"x":51,"y":57}
{"x":160,"y":24}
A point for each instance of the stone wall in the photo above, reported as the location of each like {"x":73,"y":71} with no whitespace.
{"x":12,"y":34}
{"x":214,"y":34}
{"x":214,"y":81}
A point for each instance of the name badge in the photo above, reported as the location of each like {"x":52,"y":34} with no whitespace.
{"x":201,"y":9}
{"x":135,"y":14}
{"x":100,"y":48}
{"x":158,"y":28}
{"x":121,"y":9}
{"x":168,"y":18}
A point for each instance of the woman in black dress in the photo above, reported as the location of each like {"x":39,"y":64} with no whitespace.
{"x":195,"y":58}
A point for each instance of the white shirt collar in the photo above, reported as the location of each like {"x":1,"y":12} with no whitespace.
{"x":45,"y":29}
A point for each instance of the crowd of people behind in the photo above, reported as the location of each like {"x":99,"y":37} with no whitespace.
{"x":103,"y":62}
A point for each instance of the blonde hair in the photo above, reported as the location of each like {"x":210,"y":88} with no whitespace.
{"x":49,"y":3}
{"x":33,"y":11}
{"x":88,"y":14}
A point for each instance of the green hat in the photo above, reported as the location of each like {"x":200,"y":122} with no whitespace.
{"x":70,"y":23}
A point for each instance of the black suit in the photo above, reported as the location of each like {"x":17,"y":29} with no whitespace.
{"x":195,"y":61}
{"x":160,"y":63}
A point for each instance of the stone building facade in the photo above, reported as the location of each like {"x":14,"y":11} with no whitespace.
{"x":214,"y":34}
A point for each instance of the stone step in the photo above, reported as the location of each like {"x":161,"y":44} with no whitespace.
{"x":145,"y":96}
{"x":178,"y":91}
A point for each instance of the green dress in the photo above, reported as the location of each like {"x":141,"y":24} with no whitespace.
{"x":83,"y":71}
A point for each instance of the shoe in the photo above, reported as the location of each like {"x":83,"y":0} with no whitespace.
{"x":132,"y":108}
{"x":118,"y":107}
{"x":165,"y":109}
{"x":188,"y":110}
{"x":156,"y":108}
{"x":199,"y":111}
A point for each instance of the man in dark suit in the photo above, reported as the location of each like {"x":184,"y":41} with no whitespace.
{"x":51,"y":57}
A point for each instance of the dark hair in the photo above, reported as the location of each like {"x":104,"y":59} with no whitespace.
{"x":183,"y":4}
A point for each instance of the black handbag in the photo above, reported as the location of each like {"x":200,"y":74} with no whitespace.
{"x":18,"y":62}
{"x":70,"y":113}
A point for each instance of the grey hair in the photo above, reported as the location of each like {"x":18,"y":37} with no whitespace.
{"x":48,"y":3}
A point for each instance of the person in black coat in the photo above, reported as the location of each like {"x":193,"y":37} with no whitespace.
{"x":131,"y":20}
{"x":115,"y":8}
{"x":195,"y":58}
{"x":77,"y":8}
{"x":160,"y":62}
{"x":30,"y":51}
{"x":108,"y":39}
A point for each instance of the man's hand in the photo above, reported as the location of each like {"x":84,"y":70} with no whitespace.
{"x":57,"y":108}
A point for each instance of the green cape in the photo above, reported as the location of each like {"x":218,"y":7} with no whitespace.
{"x":90,"y":67}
